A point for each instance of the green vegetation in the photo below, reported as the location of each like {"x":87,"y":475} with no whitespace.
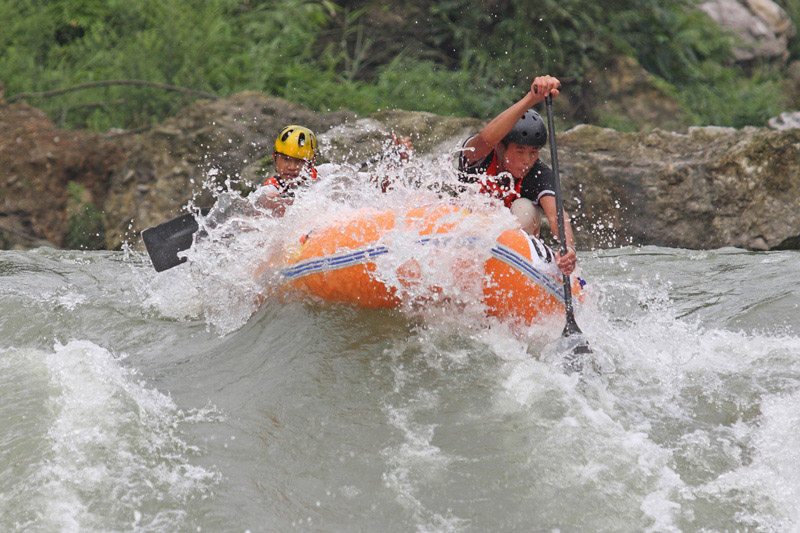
{"x":792,"y":8}
{"x":458,"y":57}
{"x":85,"y":226}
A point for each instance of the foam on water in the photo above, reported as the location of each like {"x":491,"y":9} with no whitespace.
{"x":114,"y":452}
{"x":444,"y":421}
{"x":233,"y":265}
{"x":414,"y":463}
{"x":691,"y":407}
{"x":771,"y":481}
{"x":686,"y":422}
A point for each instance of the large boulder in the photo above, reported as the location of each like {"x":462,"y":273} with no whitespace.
{"x":762,"y":27}
{"x":708,"y":188}
{"x":705,"y":188}
{"x":53,"y":181}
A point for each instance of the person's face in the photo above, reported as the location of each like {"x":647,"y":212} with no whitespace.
{"x":518,"y":159}
{"x":289,"y":168}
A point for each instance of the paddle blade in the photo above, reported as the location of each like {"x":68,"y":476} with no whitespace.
{"x":572,"y":353}
{"x":572,"y":348}
{"x":163,"y":242}
{"x":572,"y":331}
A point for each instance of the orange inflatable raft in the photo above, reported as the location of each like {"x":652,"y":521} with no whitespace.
{"x":339,"y":262}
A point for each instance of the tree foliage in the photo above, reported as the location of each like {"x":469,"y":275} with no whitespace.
{"x":463,"y":57}
{"x":792,"y":8}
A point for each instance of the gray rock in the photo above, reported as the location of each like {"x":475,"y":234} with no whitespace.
{"x":762,"y":27}
{"x":227,"y":140}
{"x":708,"y":188}
{"x":785,"y":121}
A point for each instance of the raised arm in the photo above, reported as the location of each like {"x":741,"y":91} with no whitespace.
{"x":479,"y":146}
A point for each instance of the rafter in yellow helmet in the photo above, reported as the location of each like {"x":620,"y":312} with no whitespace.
{"x":296,"y":141}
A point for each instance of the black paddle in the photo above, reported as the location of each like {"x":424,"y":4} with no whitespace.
{"x":578,"y":343}
{"x":163,"y":242}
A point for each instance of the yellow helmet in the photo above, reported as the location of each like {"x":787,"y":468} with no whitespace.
{"x":296,"y":141}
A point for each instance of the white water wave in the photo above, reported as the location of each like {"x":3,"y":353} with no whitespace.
{"x":116,"y":457}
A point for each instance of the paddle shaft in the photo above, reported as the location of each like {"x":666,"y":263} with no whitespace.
{"x":572,"y":326}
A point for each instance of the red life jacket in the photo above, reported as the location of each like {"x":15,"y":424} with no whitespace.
{"x":506,"y":188}
{"x":282,"y":187}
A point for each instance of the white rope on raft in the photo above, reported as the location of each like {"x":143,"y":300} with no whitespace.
{"x":364,"y":255}
{"x":524,"y":265}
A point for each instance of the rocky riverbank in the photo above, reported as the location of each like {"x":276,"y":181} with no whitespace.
{"x":703,"y":188}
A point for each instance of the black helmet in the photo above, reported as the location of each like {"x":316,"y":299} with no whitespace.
{"x":529,"y":130}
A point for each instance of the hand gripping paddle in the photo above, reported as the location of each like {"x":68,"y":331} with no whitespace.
{"x":577,"y":343}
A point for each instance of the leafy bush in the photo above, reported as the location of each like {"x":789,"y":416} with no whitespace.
{"x":448,"y":56}
{"x":734,"y":100}
{"x":792,"y":8}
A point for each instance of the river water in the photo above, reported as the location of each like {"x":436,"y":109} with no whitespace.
{"x":136,"y":401}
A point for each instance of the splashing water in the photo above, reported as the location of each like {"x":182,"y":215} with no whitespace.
{"x":237,"y":257}
{"x":205,"y":397}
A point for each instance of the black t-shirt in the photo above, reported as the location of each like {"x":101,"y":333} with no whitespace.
{"x":540,"y":181}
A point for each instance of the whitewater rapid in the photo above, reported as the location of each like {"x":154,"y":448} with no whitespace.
{"x":136,"y":401}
